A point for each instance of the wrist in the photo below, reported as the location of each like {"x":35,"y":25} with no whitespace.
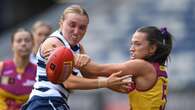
{"x":102,"y":82}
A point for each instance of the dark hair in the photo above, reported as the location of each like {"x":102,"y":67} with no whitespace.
{"x":20,"y":30}
{"x":162,"y":39}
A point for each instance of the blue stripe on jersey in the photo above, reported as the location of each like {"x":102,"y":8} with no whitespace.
{"x":44,"y":88}
{"x":74,"y":73}
{"x":41,"y":64}
{"x":75,"y":48}
{"x":42,"y":78}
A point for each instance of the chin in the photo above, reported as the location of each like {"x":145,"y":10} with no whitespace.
{"x":132,"y":58}
{"x":24,"y":54}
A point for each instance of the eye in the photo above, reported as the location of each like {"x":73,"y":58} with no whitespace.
{"x":138,"y":44}
{"x":18,"y":40}
{"x":27,"y":40}
{"x":83,"y":27}
{"x":72,"y":24}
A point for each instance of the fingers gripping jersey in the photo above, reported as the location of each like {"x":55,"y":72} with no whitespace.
{"x":15,"y":87}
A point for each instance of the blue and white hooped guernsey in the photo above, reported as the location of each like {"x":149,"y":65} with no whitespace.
{"x":45,"y":88}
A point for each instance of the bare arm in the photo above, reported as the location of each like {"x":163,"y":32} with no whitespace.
{"x":131,"y":67}
{"x":1,"y":67}
{"x":49,"y":46}
{"x":75,"y":82}
{"x":84,"y":73}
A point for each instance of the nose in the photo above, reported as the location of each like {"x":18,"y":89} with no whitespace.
{"x":23,"y":43}
{"x":76,"y":30}
{"x":131,"y":49}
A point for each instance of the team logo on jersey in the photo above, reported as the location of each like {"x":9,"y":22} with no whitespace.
{"x":7,"y":72}
{"x":7,"y":80}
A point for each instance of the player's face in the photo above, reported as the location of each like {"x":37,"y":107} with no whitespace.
{"x":74,"y":27}
{"x":140,"y":47}
{"x":22,"y":44}
{"x":40,"y":34}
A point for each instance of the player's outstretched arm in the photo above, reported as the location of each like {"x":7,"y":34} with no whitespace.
{"x":75,"y":82}
{"x":107,"y":69}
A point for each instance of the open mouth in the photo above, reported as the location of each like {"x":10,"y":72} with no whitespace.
{"x":75,"y":36}
{"x":132,"y":56}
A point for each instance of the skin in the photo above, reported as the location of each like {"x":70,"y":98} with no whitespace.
{"x":73,"y":28}
{"x":40,"y":34}
{"x":21,"y":47}
{"x":143,"y":72}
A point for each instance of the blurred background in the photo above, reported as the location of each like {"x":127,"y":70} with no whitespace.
{"x":112,"y":22}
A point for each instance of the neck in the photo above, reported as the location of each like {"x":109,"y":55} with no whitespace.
{"x":21,"y":62}
{"x":35,"y":49}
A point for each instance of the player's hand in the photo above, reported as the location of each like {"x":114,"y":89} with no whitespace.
{"x":81,"y":60}
{"x":114,"y":80}
{"x":47,"y":53}
{"x":123,"y":88}
{"x":120,"y":88}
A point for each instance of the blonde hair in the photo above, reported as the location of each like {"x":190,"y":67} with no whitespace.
{"x":38,"y":24}
{"x":74,"y":9}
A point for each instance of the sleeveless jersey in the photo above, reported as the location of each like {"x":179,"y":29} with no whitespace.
{"x":154,"y":98}
{"x":43,"y":87}
{"x":15,"y":87}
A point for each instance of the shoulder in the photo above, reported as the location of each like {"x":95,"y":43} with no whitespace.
{"x":139,"y":66}
{"x":1,"y":66}
{"x":48,"y":46}
{"x":139,"y":63}
{"x":50,"y":43}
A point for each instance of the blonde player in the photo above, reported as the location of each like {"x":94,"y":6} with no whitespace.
{"x":49,"y":96}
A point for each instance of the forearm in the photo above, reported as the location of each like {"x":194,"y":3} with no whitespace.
{"x":88,"y":75}
{"x":101,"y":69}
{"x":75,"y":82}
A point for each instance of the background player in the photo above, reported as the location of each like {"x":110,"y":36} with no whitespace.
{"x":17,"y":75}
{"x":40,"y":30}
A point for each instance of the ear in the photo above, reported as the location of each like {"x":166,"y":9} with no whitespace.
{"x":152,"y":49}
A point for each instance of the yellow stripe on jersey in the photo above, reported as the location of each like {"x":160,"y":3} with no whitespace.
{"x":162,"y":68}
{"x":20,"y":99}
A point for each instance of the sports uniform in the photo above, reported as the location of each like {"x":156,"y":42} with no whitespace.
{"x":15,"y":87}
{"x":154,"y":98}
{"x":47,"y":95}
